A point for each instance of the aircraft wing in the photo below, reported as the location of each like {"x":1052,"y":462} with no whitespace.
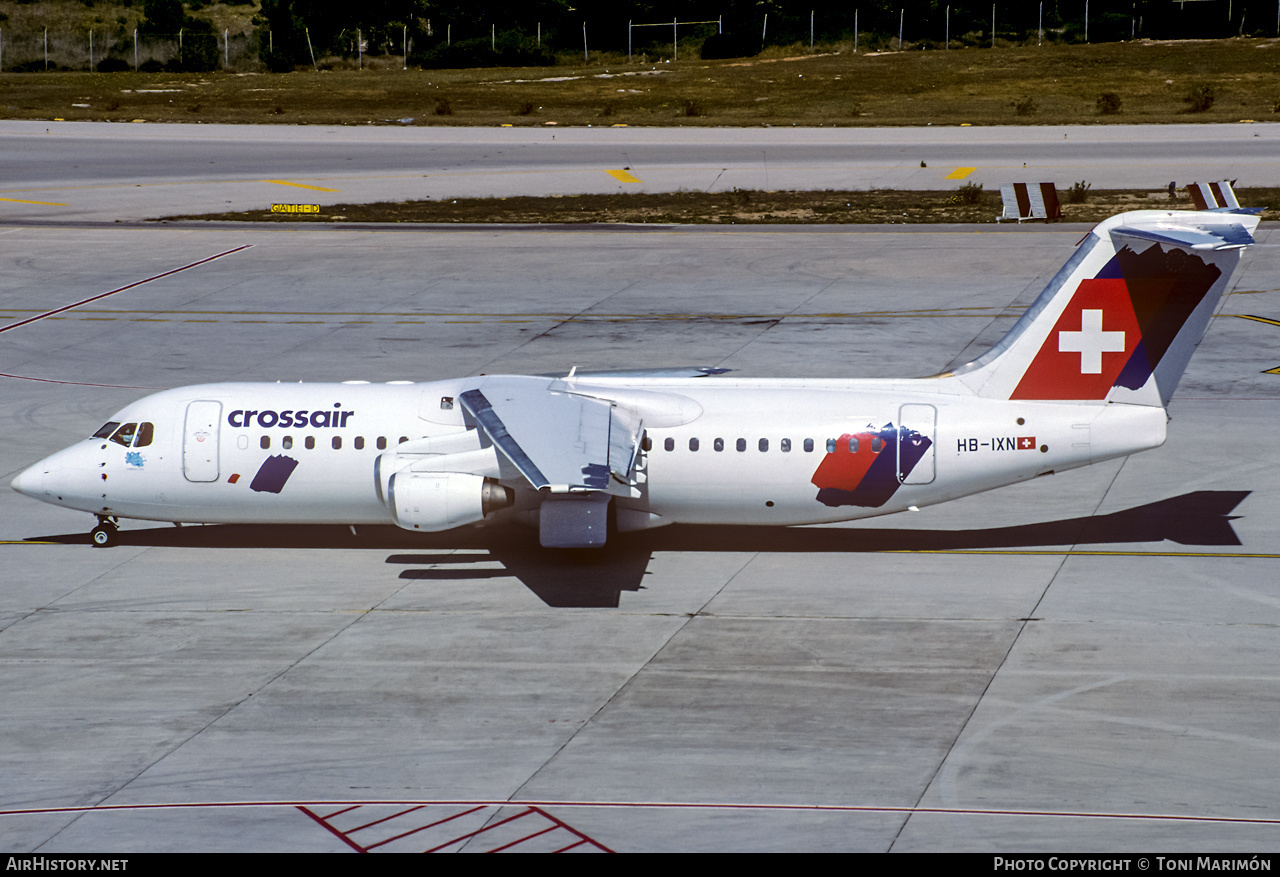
{"x":560,"y":442}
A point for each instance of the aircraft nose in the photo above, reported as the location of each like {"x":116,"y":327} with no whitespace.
{"x":30,"y":482}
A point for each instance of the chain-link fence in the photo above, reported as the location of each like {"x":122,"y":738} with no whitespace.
{"x":111,"y":51}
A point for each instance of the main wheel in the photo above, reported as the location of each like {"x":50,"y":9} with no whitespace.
{"x":104,"y":536}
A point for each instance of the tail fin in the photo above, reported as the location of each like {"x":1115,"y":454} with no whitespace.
{"x":1121,"y":319}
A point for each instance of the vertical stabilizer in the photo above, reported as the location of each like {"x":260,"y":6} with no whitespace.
{"x":1121,"y":319}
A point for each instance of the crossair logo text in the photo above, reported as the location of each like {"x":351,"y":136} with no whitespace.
{"x":243,"y":418}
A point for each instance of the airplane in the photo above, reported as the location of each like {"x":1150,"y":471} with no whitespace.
{"x":1084,"y":375}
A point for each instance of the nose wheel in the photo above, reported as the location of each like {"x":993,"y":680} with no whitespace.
{"x":106,"y":533}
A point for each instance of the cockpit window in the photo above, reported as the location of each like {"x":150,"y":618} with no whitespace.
{"x":146,"y":431}
{"x":124,"y":435}
{"x":107,"y":429}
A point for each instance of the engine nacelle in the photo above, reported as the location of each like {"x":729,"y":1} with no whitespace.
{"x":434,"y":501}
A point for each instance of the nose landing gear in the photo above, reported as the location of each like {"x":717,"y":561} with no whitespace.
{"x":106,"y":533}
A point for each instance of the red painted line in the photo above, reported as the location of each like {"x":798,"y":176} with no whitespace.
{"x":573,"y":846}
{"x":343,"y":810}
{"x":425,"y":827}
{"x":481,"y":830}
{"x":384,"y":819}
{"x":660,"y":805}
{"x":76,"y":383}
{"x":573,"y":830}
{"x":521,"y":840}
{"x":121,"y":289}
{"x":346,"y":840}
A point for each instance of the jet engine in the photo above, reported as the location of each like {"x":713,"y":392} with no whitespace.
{"x":434,"y":501}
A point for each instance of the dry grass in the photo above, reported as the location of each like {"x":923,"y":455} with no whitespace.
{"x":964,"y":86}
{"x":737,"y":207}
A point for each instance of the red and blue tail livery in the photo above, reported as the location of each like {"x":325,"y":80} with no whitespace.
{"x":1121,"y":319}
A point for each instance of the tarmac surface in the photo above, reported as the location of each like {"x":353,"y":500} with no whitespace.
{"x":116,"y":171}
{"x":1084,"y":662}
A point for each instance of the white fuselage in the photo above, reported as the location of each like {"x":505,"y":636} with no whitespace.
{"x":767,"y":451}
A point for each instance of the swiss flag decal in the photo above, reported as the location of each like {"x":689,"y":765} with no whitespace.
{"x":1088,"y":347}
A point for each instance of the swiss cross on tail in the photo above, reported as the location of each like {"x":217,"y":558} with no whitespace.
{"x":1118,"y":325}
{"x":1087,"y":348}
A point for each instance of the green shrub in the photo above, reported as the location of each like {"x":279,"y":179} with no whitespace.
{"x":1079,"y":192}
{"x":1109,"y":103}
{"x":1199,"y":99}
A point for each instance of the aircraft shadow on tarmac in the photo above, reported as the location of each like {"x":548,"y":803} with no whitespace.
{"x":597,"y":578}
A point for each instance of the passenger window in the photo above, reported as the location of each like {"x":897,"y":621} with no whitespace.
{"x":647,"y":444}
{"x":265,"y":442}
{"x":718,"y":444}
{"x":669,"y":444}
{"x":831,"y":446}
{"x":853,"y":444}
{"x":124,"y":435}
{"x":785,"y":446}
{"x":877,"y":444}
{"x":382,"y":442}
{"x":808,"y":446}
{"x":693,"y":444}
{"x":310,"y":442}
{"x":107,"y":429}
{"x":287,"y":442}
{"x":337,"y":442}
{"x":403,"y":439}
{"x":764,"y":444}
{"x":741,"y":445}
{"x":146,"y":432}
{"x":359,"y":443}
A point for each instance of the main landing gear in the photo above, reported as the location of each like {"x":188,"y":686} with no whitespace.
{"x":106,"y":533}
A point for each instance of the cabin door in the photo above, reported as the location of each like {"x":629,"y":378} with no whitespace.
{"x":200,"y":441}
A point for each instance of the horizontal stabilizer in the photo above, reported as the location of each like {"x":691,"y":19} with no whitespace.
{"x":1225,"y":236}
{"x":677,"y":372}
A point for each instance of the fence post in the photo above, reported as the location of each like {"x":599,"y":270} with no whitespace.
{"x":901,"y":15}
{"x":855,"y":31}
{"x":1040,"y":26}
{"x":405,"y":45}
{"x":90,"y":51}
{"x":135,"y":50}
{"x":226,"y":49}
{"x":947,"y":45}
{"x":310,"y":51}
{"x":765,"y":30}
{"x":629,"y":39}
{"x":493,"y":38}
{"x":675,"y":41}
{"x":585,"y":57}
{"x":46,"y":48}
{"x":810,"y":30}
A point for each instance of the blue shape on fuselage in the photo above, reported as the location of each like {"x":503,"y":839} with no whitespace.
{"x":273,"y":473}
